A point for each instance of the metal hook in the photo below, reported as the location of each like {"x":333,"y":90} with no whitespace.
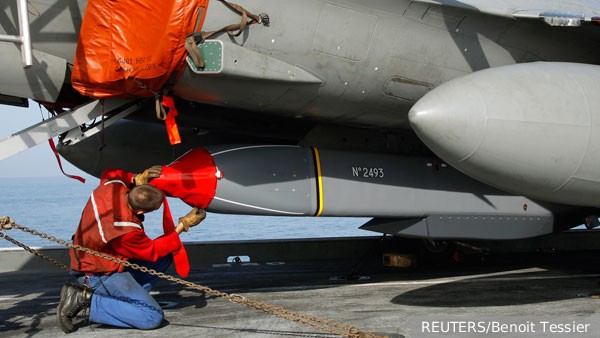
{"x":263,"y":18}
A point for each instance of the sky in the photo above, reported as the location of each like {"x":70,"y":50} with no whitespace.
{"x":34,"y":162}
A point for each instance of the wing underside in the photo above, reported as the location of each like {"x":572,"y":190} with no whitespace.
{"x":555,"y":13}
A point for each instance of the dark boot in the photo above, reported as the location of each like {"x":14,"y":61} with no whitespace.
{"x":73,"y":299}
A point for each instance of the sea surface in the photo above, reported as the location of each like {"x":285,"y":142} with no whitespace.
{"x":53,"y":205}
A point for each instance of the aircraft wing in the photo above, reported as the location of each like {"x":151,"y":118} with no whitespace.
{"x":439,"y":119}
{"x":555,"y":13}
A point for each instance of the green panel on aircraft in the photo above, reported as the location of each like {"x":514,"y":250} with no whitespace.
{"x":212,"y":52}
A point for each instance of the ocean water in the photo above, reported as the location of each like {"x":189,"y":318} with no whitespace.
{"x":53,"y":205}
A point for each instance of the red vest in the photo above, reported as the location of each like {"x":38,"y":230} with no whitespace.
{"x":105,"y":217}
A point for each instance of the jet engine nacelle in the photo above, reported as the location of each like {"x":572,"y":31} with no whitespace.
{"x":531,"y":129}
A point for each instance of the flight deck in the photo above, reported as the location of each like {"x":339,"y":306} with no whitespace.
{"x":460,"y":291}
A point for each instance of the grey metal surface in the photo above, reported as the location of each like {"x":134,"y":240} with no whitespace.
{"x":53,"y":25}
{"x":450,"y":204}
{"x":56,"y":125}
{"x":422,"y":196}
{"x":53,"y":29}
{"x":231,"y":60}
{"x":42,"y":81}
{"x":528,"y":129}
{"x":359,"y":184}
{"x":23,"y":38}
{"x":359,"y":51}
{"x":283,"y":180}
{"x":203,"y":254}
{"x":466,"y":226}
{"x":355,"y":48}
{"x":373,"y":61}
{"x":500,"y":289}
{"x":265,"y":180}
{"x":529,"y":9}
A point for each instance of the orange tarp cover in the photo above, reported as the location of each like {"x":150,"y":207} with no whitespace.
{"x":123,"y":43}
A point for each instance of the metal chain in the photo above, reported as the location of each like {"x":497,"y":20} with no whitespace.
{"x":33,"y":251}
{"x":330,"y":326}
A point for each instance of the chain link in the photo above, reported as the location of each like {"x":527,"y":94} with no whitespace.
{"x":330,"y":326}
{"x":33,"y":251}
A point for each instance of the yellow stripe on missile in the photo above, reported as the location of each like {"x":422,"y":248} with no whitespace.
{"x":319,"y":182}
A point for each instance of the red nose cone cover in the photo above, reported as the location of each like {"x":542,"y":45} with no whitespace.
{"x":192,"y":178}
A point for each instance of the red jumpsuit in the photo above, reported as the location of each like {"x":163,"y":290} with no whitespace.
{"x":108,"y":225}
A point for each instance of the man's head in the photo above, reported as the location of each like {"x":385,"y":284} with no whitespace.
{"x":144,"y":198}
